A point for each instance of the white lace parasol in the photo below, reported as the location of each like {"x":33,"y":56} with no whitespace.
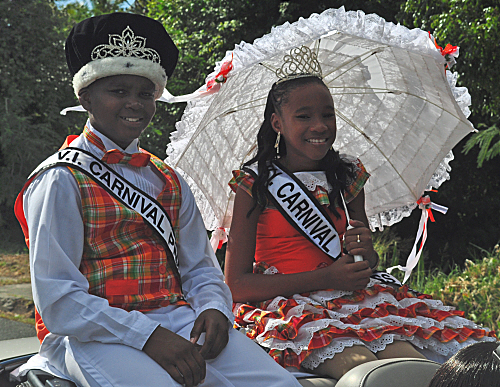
{"x":398,"y":110}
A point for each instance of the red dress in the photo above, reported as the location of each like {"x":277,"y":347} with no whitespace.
{"x":306,"y":329}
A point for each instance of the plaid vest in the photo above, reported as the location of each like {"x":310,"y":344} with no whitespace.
{"x":124,"y":260}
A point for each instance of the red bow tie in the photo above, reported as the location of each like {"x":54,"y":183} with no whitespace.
{"x":114,"y":156}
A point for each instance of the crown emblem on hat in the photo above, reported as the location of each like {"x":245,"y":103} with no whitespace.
{"x":125,"y":45}
{"x":299,"y":62}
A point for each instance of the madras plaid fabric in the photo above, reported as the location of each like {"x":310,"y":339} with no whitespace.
{"x":93,"y":138}
{"x":123,"y":259}
{"x":168,"y":197}
{"x":245,"y":182}
{"x":358,"y":182}
{"x":256,"y":319}
{"x":115,"y":156}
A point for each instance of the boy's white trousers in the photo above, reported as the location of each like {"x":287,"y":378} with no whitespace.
{"x":242,"y":363}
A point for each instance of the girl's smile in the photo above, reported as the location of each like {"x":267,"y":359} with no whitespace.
{"x":308,"y":126}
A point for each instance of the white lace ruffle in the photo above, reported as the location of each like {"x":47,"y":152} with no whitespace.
{"x":315,"y":299}
{"x":315,"y":179}
{"x":281,"y":39}
{"x":388,"y":218}
{"x":311,"y":180}
{"x":337,"y":346}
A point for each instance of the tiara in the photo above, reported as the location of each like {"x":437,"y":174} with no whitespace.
{"x":125,"y":45}
{"x":298,"y":63}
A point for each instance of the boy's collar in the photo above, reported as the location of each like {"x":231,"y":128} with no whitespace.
{"x":104,"y":144}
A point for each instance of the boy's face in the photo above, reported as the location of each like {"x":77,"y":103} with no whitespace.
{"x":120,"y":106}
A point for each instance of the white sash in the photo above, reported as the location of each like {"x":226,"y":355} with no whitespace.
{"x":117,"y":186}
{"x":303,"y":211}
{"x":306,"y":214}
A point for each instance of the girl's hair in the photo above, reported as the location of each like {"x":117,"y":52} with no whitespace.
{"x":472,"y":366}
{"x":337,"y":171}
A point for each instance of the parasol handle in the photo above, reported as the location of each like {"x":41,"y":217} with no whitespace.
{"x":357,"y":258}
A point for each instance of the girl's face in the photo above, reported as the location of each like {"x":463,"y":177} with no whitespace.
{"x":308,"y":126}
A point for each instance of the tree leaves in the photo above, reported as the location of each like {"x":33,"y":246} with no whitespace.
{"x":484,"y":139}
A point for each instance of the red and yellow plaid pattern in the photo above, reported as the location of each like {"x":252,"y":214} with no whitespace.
{"x":254,"y":317}
{"x":115,"y":156}
{"x":245,"y":182}
{"x":123,"y":259}
{"x":169,"y":197}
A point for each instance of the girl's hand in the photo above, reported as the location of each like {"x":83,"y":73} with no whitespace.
{"x":345,"y":274}
{"x":358,"y":241}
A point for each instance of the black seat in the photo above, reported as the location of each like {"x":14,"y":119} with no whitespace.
{"x":37,"y":378}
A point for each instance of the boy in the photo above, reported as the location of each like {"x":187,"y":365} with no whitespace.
{"x":126,"y":287}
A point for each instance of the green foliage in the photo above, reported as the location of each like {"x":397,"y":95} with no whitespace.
{"x":390,"y":247}
{"x":77,"y":11}
{"x":484,"y":139}
{"x":474,"y":290}
{"x":393,"y":251}
{"x":34,"y":86}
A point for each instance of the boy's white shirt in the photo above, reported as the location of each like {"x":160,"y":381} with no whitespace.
{"x":52,"y":206}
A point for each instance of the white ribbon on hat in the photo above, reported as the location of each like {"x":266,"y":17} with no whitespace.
{"x":166,"y":97}
{"x":78,"y":108}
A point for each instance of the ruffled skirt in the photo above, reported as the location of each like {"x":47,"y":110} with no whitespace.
{"x":307,"y":329}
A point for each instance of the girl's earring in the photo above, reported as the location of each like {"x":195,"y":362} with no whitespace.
{"x":277,"y":144}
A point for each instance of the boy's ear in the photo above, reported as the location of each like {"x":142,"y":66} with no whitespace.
{"x":276,"y":122}
{"x":84,"y":99}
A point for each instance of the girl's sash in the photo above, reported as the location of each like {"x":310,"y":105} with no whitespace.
{"x":302,"y":210}
{"x":117,"y":186}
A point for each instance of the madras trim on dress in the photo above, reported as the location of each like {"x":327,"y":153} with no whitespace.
{"x":245,"y":181}
{"x":257,"y":317}
{"x":304,"y":330}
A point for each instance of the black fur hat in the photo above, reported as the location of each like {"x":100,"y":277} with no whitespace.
{"x":118,"y":44}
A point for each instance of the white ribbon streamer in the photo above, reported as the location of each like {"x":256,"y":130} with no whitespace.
{"x":219,"y":236}
{"x":165,"y":97}
{"x":414,"y":256}
{"x":78,"y":108}
{"x":201,"y":92}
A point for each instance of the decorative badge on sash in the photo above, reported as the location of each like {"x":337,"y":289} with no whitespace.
{"x":121,"y":189}
{"x":302,"y":210}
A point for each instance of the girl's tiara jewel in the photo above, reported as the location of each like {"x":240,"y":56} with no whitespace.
{"x":300,"y":62}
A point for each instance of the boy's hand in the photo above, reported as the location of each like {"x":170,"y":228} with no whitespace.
{"x":216,"y":328}
{"x":180,"y":358}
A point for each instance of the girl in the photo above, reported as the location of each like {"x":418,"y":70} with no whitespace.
{"x":321,"y":311}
